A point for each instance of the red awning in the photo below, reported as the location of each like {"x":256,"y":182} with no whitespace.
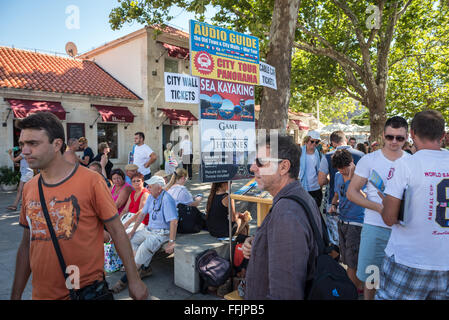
{"x":22,"y":108}
{"x":180,"y":117}
{"x":301,"y":125}
{"x":175,"y":51}
{"x":114,"y":114}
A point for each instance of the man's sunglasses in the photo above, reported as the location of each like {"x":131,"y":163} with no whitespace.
{"x":262,"y":162}
{"x":391,"y":138}
{"x":314,"y":141}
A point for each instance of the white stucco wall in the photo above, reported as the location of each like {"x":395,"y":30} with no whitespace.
{"x":126,"y":63}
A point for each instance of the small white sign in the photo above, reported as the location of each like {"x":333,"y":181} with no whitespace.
{"x":181,"y":88}
{"x":267,"y":75}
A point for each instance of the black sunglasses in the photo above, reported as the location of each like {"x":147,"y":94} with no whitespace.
{"x":314,"y":141}
{"x":262,"y":162}
{"x":390,"y":137}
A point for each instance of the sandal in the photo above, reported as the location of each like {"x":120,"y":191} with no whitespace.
{"x":119,"y":286}
{"x":12,"y":208}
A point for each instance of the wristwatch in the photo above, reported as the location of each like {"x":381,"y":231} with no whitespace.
{"x":171,"y":241}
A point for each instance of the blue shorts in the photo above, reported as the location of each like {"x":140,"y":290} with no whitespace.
{"x":373,"y":241}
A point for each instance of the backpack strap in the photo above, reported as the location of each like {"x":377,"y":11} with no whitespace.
{"x":320,"y":240}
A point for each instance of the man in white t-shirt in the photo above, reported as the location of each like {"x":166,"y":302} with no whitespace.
{"x":416,"y":265}
{"x":187,"y":155}
{"x":375,"y":233}
{"x":144,"y":156}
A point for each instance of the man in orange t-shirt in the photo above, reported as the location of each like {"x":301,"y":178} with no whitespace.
{"x":79,"y":205}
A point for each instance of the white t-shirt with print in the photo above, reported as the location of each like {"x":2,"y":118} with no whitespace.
{"x":422,"y":242}
{"x":141,"y":156}
{"x":378,"y":162}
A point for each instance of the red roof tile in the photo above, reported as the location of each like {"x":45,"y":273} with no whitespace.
{"x":23,"y":69}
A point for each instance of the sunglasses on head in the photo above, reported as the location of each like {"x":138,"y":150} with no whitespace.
{"x":262,"y":162}
{"x":390,"y":137}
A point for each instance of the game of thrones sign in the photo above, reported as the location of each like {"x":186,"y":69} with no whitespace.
{"x":228,"y":135}
{"x":227,"y":63}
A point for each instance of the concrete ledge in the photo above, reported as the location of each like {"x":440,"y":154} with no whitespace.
{"x":187,"y":248}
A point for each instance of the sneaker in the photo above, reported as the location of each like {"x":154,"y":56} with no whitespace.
{"x":145,"y":272}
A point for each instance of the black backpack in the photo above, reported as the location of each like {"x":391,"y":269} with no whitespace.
{"x":213,"y":269}
{"x":190,"y":219}
{"x":330,"y":280}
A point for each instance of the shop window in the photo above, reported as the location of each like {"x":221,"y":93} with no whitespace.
{"x":108,"y":132}
{"x":171,"y":66}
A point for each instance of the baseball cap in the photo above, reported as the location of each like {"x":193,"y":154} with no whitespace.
{"x":156,"y":180}
{"x":314,"y":134}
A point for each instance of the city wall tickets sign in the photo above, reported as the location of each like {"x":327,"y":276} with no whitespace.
{"x":222,"y":54}
{"x":181,"y":88}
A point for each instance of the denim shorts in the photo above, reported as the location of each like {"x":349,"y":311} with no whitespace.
{"x":373,"y":241}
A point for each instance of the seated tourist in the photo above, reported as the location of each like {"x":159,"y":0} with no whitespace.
{"x":135,"y":204}
{"x":166,"y":176}
{"x":162,"y":226}
{"x":217,"y":213}
{"x":130,"y":171}
{"x":97,"y":166}
{"x":178,"y":191}
{"x":121,"y":190}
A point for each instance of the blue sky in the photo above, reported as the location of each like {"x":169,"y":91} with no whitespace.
{"x":42,"y":24}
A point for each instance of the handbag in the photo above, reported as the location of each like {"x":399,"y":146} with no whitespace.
{"x":172,"y":161}
{"x":96,"y":291}
{"x":112,"y":261}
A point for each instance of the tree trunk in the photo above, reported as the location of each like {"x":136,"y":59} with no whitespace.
{"x":377,"y":117}
{"x":274,"y":105}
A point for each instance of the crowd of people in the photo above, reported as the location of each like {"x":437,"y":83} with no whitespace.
{"x":384,"y":209}
{"x":382,"y":206}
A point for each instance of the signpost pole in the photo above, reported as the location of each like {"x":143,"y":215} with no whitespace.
{"x":230,"y":219}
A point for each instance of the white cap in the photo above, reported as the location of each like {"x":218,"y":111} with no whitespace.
{"x":156,"y":180}
{"x":314,"y":135}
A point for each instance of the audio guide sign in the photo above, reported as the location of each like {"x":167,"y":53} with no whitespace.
{"x":223,"y":54}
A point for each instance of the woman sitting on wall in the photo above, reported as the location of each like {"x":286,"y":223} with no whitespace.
{"x":178,"y":191}
{"x":217,"y":213}
{"x":121,"y":190}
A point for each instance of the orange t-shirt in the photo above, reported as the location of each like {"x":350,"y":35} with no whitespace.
{"x":78,"y":206}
